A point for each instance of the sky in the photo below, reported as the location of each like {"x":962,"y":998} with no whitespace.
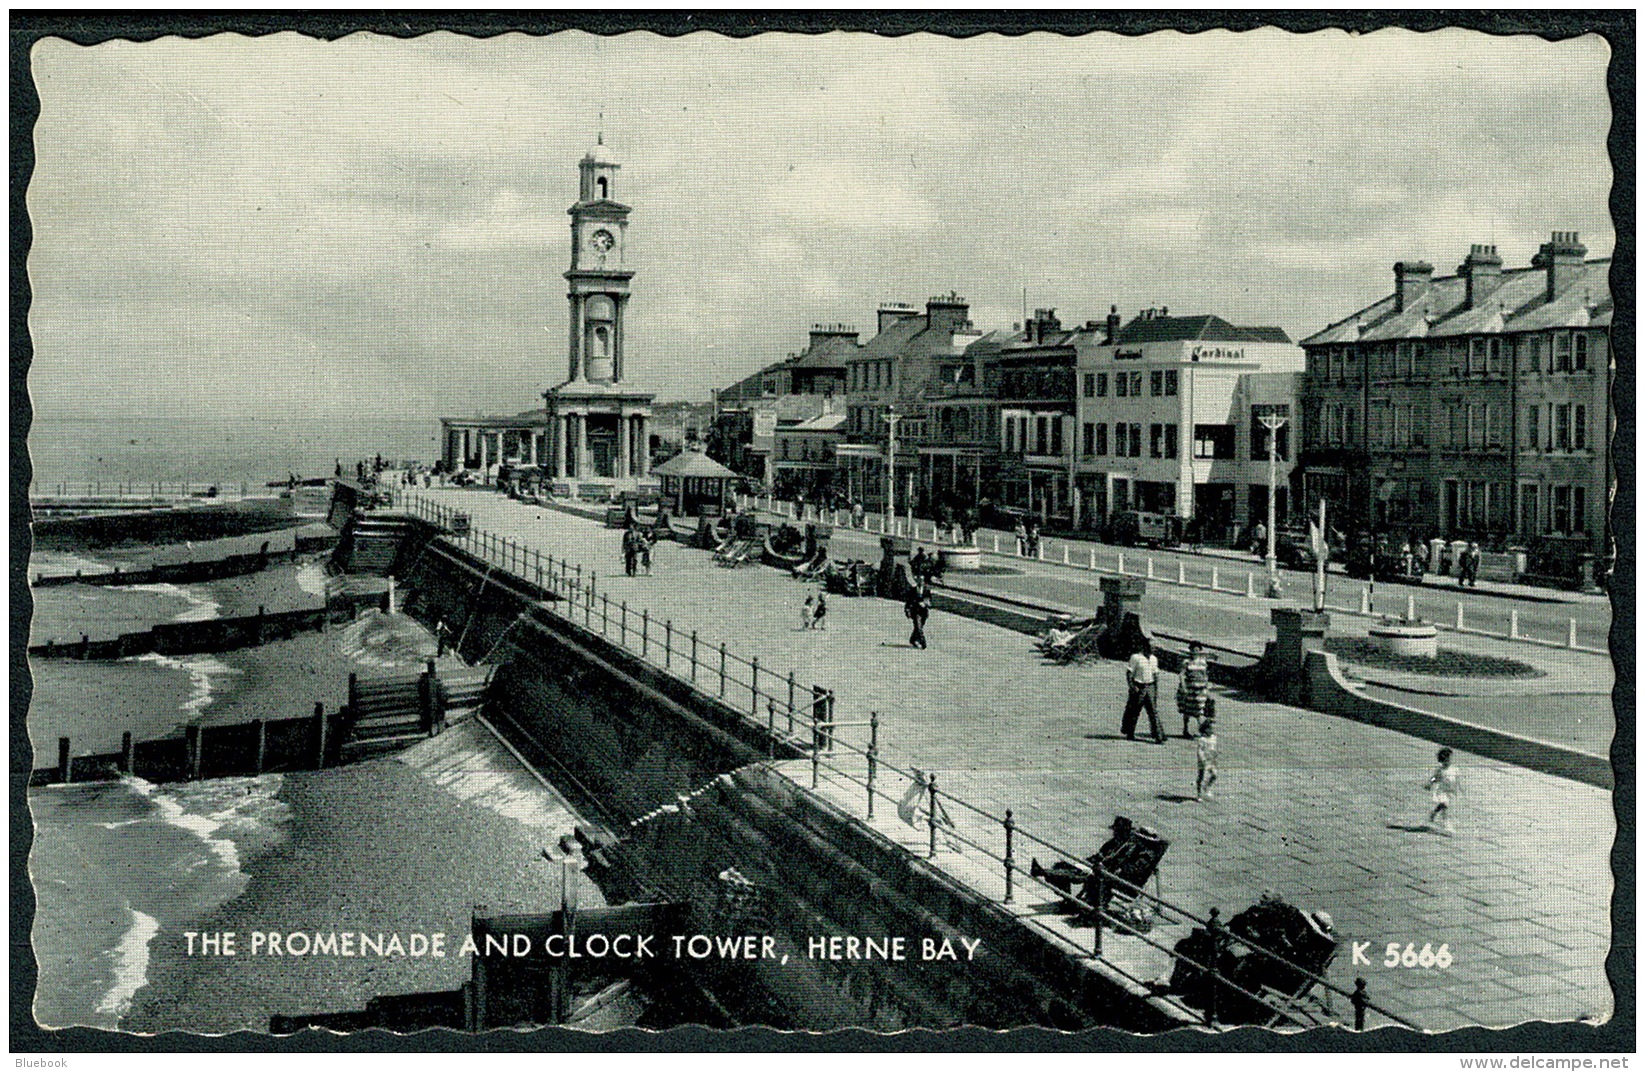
{"x":282,"y":226}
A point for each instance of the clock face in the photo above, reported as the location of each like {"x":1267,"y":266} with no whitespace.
{"x":602,"y":241}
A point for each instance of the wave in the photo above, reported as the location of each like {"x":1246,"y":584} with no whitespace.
{"x":200,"y":609}
{"x":201,"y":670}
{"x":311,"y":578}
{"x":386,"y":640}
{"x":131,"y":964}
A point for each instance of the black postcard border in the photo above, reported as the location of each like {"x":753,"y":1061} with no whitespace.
{"x":1618,"y":27}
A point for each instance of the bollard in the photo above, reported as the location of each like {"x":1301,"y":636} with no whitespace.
{"x":1250,"y":586}
{"x":1570,"y":634}
{"x":1513,"y":625}
{"x":996,"y":543}
{"x":1121,"y":567}
{"x":1410,"y":608}
{"x":1365,"y":601}
{"x":873,"y":756}
{"x":693,"y":656}
{"x":127,"y":753}
{"x":1182,"y":575}
{"x":1092,"y":559}
{"x":1065,"y":554}
{"x":1459,"y":615}
{"x":62,"y":759}
{"x":1039,"y":552}
{"x":1150,"y":567}
{"x":1213,"y":578}
{"x":1010,"y":831}
{"x":931,"y":820}
{"x":1360,"y":999}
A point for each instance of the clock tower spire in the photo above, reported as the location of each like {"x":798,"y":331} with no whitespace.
{"x":597,"y":282}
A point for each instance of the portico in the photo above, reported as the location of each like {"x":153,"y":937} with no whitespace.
{"x":598,"y":434}
{"x":483,"y":443}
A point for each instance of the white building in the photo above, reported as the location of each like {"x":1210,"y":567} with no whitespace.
{"x":1168,"y":419}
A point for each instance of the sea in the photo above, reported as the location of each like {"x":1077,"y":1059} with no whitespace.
{"x":218,"y":450}
{"x":163,"y":857}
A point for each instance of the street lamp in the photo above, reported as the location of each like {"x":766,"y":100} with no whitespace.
{"x":1272,"y":422}
{"x":891,"y":419}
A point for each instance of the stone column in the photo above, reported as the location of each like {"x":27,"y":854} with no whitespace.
{"x":617,"y":339}
{"x":645,"y":446}
{"x":484,"y":443}
{"x":467,"y":445}
{"x":583,"y":472}
{"x":559,"y":446}
{"x":625,"y":427}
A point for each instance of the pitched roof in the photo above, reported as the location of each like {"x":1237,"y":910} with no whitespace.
{"x":826,"y":422}
{"x":1195,"y":329}
{"x":692,"y":463}
{"x":1519,"y":303}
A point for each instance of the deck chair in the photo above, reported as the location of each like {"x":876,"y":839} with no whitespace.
{"x":1287,"y":992}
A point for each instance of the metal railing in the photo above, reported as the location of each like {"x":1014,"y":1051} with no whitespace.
{"x":1229,"y":578}
{"x":50,"y":490}
{"x":803,"y":717}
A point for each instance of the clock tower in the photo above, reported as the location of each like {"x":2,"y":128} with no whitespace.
{"x":597,"y":282}
{"x":599,"y":429}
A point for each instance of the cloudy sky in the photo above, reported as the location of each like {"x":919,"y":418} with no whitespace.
{"x":284,"y":226}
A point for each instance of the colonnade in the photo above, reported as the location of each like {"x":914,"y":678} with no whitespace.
{"x":572,"y":457}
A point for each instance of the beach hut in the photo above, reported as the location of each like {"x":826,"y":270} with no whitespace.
{"x":692,"y":480}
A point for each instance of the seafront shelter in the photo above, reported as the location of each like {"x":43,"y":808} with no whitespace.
{"x":693,"y":480}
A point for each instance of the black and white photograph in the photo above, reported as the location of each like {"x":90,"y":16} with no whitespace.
{"x":587,"y":531}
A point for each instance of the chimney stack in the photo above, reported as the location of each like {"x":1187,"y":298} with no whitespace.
{"x":1411,"y":279}
{"x":1483,"y":273}
{"x":946,"y":314}
{"x":1562,"y":256}
{"x":1112,"y":324}
{"x":892,"y":312}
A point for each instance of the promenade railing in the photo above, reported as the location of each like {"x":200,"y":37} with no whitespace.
{"x":1225,"y":576}
{"x":802,"y":716}
{"x":52,"y":490}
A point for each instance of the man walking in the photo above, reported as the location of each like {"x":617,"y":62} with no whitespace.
{"x":631,"y":551}
{"x":918,"y":609}
{"x":1142,"y":676}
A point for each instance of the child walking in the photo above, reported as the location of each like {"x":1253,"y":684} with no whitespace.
{"x":1205,"y":752}
{"x":1442,"y":784}
{"x":805,"y":614}
{"x":819,"y":616}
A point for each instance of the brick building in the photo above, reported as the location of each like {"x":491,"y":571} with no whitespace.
{"x":1473,"y":405}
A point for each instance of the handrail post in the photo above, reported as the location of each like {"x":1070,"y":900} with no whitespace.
{"x":1213,"y":926}
{"x":693,"y":656}
{"x":816,"y":748}
{"x":931,"y":819}
{"x":754,"y":685}
{"x":623,"y":635}
{"x":645,"y":633}
{"x":791,"y":701}
{"x":1360,"y":1000}
{"x":771,"y":728}
{"x":1096,"y":909}
{"x":722,"y":670}
{"x":668,"y":643}
{"x":873,"y":756}
{"x":1010,"y":832}
{"x":605,"y":614}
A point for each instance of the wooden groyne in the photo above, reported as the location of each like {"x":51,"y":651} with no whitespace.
{"x":198,"y":638}
{"x":381,"y":715}
{"x":192,"y":572}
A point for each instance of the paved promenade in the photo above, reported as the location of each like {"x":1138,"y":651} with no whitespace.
{"x":1324,"y":811}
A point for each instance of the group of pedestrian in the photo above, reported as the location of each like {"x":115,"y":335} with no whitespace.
{"x":1468,"y":566}
{"x":814,"y":613}
{"x":636,"y":551}
{"x":1028,"y":537}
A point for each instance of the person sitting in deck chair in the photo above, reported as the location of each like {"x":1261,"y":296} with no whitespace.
{"x":1064,"y":876}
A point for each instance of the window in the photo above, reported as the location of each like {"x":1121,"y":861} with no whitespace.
{"x":1156,"y":383}
{"x":1476,"y":356}
{"x":1102,"y":385}
{"x":1121,"y":381}
{"x":1056,"y":435}
{"x":600,"y":183}
{"x":1494,"y":365}
{"x":1527,"y":510}
{"x":1349,"y":435}
{"x":1562,"y":426}
{"x":1170,"y":441}
{"x":1533,"y":427}
{"x":1170,"y":381}
{"x":1533,"y":353}
{"x":1090,"y":385}
{"x":1039,"y":435}
{"x":1581,"y":361}
{"x":1119,"y":441}
{"x":1136,"y":441}
{"x":1156,"y":440}
{"x":1136,"y":384}
{"x":1561,"y":519}
{"x":1579,"y":429}
{"x":1089,"y":439}
{"x":1214,"y":441}
{"x":1496,"y":424}
{"x":1579,"y":509}
{"x":1102,"y":440}
{"x":1562,"y":351}
{"x":1402,"y":360}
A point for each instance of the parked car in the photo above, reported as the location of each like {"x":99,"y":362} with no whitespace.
{"x":1129,"y":528}
{"x":1293,"y":549}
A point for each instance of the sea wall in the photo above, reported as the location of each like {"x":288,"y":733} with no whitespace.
{"x":690,"y":807}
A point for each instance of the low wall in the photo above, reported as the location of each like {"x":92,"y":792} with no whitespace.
{"x":1329,"y":691}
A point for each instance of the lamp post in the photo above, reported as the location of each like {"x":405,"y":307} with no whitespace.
{"x":1273,"y":423}
{"x":891,"y":419}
